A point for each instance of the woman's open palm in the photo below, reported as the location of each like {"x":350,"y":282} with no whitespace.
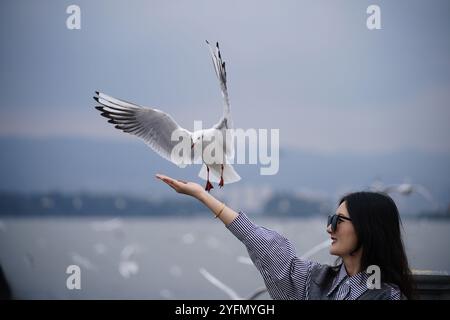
{"x":190,"y":188}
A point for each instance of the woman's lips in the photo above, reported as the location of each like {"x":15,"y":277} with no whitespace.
{"x":333,"y":240}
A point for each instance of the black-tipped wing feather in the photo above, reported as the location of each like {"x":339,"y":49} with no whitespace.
{"x":219,"y":67}
{"x":152,"y":125}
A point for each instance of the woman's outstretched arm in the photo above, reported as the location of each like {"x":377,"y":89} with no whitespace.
{"x":285,"y":275}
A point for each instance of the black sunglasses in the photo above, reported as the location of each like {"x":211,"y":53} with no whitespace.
{"x":334,"y":219}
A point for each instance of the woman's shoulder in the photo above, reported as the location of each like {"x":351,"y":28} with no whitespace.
{"x":323,"y":273}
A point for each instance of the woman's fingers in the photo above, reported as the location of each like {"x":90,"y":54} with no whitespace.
{"x":169,"y":179}
{"x":163,"y":177}
{"x":181,"y":186}
{"x":171,"y":182}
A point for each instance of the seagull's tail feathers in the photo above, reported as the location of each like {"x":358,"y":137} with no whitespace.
{"x":229,"y":174}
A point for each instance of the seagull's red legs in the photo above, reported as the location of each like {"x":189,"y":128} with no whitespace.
{"x":209,"y":186}
{"x":221,"y":177}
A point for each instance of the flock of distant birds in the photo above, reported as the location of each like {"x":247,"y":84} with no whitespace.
{"x":128,"y":265}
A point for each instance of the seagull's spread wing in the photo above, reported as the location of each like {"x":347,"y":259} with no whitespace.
{"x":151,"y":125}
{"x":426,"y":194}
{"x":219,"y":66}
{"x":225,"y":121}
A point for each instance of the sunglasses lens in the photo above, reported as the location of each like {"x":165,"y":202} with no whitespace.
{"x":332,"y":220}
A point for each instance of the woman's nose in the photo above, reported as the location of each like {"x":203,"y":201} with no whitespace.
{"x":329,"y":229}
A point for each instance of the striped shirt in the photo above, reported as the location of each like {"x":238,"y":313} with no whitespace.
{"x":286,"y":276}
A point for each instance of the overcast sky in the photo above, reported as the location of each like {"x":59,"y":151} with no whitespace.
{"x":310,"y":68}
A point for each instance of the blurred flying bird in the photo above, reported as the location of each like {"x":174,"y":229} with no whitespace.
{"x":405,"y":189}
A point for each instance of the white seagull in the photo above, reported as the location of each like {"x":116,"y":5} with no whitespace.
{"x":156,"y":127}
{"x":407,"y":189}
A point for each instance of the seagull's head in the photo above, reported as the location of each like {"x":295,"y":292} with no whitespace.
{"x":196,"y":136}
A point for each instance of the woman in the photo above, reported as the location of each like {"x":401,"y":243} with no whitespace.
{"x":365,"y":232}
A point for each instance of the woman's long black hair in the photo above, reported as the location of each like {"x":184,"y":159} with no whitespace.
{"x":377,"y":223}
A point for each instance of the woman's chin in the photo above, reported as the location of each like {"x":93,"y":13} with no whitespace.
{"x":333,"y":250}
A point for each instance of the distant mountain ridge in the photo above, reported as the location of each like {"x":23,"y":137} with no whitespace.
{"x":77,"y":165}
{"x":280,"y":205}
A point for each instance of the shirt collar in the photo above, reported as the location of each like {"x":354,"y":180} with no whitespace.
{"x":338,"y":279}
{"x":357,"y":282}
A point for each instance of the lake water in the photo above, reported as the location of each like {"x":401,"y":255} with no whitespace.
{"x":158,"y":258}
